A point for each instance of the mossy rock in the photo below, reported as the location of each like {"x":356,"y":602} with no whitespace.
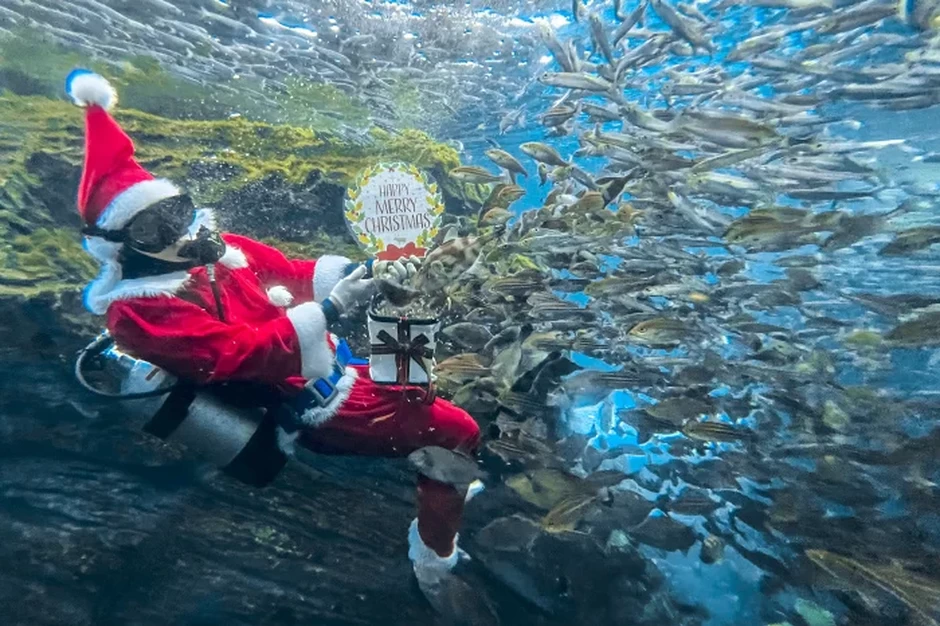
{"x":180,"y":149}
{"x":317,"y":246}
{"x":462,"y":198}
{"x":43,"y":261}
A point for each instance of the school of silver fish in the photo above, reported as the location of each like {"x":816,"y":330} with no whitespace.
{"x":714,"y":255}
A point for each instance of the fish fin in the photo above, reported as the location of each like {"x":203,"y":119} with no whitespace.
{"x":498,"y":231}
{"x":676,"y":122}
{"x":524,"y":383}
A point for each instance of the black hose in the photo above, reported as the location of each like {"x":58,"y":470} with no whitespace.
{"x":101,"y":343}
{"x":216,"y":294}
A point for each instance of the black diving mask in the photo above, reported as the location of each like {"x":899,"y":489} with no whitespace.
{"x":155,"y":228}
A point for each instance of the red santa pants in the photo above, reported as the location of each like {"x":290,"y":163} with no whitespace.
{"x":378,"y":420}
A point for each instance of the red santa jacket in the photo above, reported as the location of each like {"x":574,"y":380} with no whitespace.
{"x":172,"y":320}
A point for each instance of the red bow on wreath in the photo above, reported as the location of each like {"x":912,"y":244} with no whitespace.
{"x":393,"y":252}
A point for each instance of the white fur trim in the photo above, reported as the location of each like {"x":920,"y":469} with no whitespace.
{"x":101,"y":250}
{"x":109,"y":287}
{"x":285,"y":440}
{"x":95,"y":294}
{"x":316,"y":356}
{"x":234,"y":258}
{"x":135,"y":199}
{"x":328,"y":271}
{"x":202,"y":217}
{"x":429,"y":566}
{"x":87,"y":88}
{"x":319,"y":415}
{"x":279,"y":295}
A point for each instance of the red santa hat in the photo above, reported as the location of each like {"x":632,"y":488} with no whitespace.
{"x":114,"y":186}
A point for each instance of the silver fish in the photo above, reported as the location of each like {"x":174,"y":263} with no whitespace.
{"x":576,"y":80}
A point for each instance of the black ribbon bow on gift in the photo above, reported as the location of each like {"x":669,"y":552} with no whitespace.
{"x":405,"y":350}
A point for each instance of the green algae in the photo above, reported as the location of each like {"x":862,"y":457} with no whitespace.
{"x":45,"y":260}
{"x":172,"y":148}
{"x":318,"y":246}
{"x":322,"y":106}
{"x":864,"y":338}
{"x":32,"y":64}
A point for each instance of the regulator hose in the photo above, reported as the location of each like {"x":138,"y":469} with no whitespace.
{"x":101,"y":343}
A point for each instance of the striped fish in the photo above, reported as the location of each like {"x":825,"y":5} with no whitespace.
{"x":565,"y":516}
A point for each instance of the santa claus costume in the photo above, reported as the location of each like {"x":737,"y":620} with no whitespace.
{"x":255,"y":316}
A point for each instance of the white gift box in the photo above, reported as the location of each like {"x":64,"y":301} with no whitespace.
{"x":402,"y":349}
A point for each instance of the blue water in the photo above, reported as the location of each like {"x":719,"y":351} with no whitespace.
{"x":481,"y":60}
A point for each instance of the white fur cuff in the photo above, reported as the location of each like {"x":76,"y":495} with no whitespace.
{"x":316,"y":356}
{"x":427,"y":559}
{"x":318,"y":415}
{"x":328,"y":271}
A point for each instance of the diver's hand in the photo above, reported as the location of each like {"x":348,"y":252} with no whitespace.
{"x":352,"y":291}
{"x":398,"y":271}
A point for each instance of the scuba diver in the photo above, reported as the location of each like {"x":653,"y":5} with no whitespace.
{"x":211,"y":309}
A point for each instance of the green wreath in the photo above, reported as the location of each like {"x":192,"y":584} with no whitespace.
{"x":352,"y":206}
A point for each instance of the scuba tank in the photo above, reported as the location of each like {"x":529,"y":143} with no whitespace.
{"x":240,"y":440}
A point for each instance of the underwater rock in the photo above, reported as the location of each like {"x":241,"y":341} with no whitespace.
{"x":273,"y":208}
{"x":663,"y":532}
{"x":209,"y":157}
{"x":109,"y":525}
{"x":548,"y":571}
{"x":46,"y":327}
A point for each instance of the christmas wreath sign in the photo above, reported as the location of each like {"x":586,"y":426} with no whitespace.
{"x":393,"y":211}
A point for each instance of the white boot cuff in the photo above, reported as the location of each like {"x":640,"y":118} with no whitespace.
{"x":424,"y":557}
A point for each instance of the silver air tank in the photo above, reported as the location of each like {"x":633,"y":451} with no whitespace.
{"x":242,"y":441}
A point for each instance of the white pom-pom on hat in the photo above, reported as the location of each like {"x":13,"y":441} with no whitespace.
{"x":87,"y":88}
